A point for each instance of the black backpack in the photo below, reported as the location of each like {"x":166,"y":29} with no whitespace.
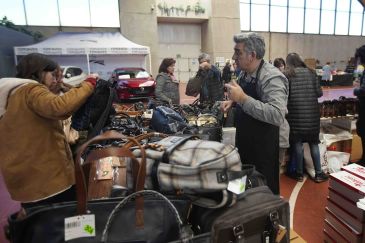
{"x":94,"y":114}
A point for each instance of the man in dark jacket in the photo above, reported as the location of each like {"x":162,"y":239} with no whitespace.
{"x":226,"y":73}
{"x":212,"y":86}
{"x":360,"y":93}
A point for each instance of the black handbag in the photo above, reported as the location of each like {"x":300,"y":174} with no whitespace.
{"x":140,"y":217}
{"x":194,"y":85}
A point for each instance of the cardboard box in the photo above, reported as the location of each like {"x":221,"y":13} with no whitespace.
{"x":356,"y":148}
{"x":311,"y":62}
{"x":346,"y":123}
{"x":341,"y":146}
{"x":295,"y":238}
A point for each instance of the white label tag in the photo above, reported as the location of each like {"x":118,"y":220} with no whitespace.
{"x":362,"y":200}
{"x":79,"y":226}
{"x":360,"y":205}
{"x":237,"y":186}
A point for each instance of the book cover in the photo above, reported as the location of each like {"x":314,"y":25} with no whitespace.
{"x":349,"y":205}
{"x":348,"y":185}
{"x":342,"y":214}
{"x":331,"y":235}
{"x":356,"y":170}
{"x":345,"y":230}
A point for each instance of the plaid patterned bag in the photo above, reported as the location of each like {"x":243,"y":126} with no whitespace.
{"x":197,"y":168}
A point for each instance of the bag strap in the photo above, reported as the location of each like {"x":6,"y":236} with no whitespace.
{"x":138,"y":167}
{"x":141,"y":137}
{"x":170,"y":206}
{"x":179,"y":141}
{"x":229,"y":175}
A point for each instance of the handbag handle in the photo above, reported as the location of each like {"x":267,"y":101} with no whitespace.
{"x":137,"y":195}
{"x":139,"y":166}
{"x":141,"y":137}
{"x":170,"y":149}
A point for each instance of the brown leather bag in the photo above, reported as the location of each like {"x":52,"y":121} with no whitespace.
{"x":111,"y":172}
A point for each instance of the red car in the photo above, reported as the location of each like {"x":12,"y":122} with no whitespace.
{"x":133,"y":83}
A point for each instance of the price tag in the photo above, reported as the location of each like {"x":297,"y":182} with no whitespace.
{"x":237,"y":186}
{"x":79,"y":226}
{"x":104,"y":169}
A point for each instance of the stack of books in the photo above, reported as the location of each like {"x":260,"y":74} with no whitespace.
{"x":344,"y":220}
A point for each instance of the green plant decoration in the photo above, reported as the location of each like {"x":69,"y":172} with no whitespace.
{"x":173,"y":10}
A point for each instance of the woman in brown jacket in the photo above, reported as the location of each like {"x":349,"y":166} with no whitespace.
{"x":36,"y":161}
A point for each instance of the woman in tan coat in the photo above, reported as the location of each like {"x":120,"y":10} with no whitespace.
{"x":36,"y":161}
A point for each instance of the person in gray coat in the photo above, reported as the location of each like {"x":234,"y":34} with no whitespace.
{"x":167,"y":86}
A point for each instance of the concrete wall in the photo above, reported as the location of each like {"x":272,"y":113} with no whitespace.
{"x":139,"y":24}
{"x":217,"y":33}
{"x":325,"y":48}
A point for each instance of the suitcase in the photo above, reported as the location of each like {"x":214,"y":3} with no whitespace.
{"x":258,"y":216}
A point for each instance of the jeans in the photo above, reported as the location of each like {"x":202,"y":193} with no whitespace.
{"x":297,"y":153}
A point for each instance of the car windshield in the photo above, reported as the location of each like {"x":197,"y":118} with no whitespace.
{"x":132,"y":74}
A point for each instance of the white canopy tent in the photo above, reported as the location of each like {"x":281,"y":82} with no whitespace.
{"x":95,"y":52}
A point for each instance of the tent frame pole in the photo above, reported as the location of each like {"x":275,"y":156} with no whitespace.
{"x":88,"y":63}
{"x":150,"y":60}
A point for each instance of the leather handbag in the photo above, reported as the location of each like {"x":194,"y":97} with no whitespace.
{"x":144,"y":217}
{"x":194,"y":86}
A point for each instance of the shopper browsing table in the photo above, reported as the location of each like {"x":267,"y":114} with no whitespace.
{"x":36,"y":161}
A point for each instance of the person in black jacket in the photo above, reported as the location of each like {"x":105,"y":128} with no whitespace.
{"x":212,"y":86}
{"x":360,"y":93}
{"x":226,"y":73}
{"x":303,"y":115}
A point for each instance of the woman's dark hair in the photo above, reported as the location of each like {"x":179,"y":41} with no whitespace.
{"x":279,"y":62}
{"x":32,"y":65}
{"x":166,"y":62}
{"x":293,"y":61}
{"x":360,"y":53}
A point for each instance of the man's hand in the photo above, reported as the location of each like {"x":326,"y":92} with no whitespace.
{"x":235,"y":92}
{"x":205,"y":65}
{"x":225,"y":105}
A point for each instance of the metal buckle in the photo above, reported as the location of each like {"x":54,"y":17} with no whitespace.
{"x":274,"y":216}
{"x":221,"y":177}
{"x":238,"y":231}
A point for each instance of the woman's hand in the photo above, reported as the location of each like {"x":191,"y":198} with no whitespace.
{"x":92,"y":78}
